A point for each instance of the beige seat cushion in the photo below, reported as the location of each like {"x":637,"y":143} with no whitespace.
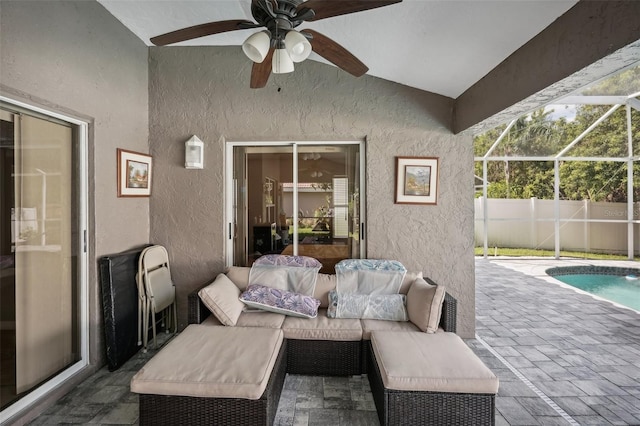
{"x":251,"y":319}
{"x":261,"y":319}
{"x":212,"y":321}
{"x":440,"y":362}
{"x":369,"y":325}
{"x":322,"y":328}
{"x":205,"y":361}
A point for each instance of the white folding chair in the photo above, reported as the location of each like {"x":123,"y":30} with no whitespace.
{"x":142,"y":301}
{"x":159,"y":290}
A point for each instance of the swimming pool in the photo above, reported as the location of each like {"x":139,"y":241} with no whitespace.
{"x":620,"y":285}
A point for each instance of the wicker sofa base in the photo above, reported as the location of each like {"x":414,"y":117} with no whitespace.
{"x":324,"y":357}
{"x":403,"y":408}
{"x":186,"y":410}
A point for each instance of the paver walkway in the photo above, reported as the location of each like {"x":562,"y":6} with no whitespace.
{"x":580,"y":354}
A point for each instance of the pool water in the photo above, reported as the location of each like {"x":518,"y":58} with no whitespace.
{"x":616,"y":288}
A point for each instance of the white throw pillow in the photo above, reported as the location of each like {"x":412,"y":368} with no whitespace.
{"x":269,"y":276}
{"x":296,"y":274}
{"x":369,"y":276}
{"x":390,"y":307}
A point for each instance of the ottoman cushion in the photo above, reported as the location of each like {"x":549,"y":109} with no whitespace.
{"x":440,"y":362}
{"x":205,"y":361}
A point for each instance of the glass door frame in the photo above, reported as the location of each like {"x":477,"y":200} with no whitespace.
{"x":82,"y":271}
{"x":230,"y":189}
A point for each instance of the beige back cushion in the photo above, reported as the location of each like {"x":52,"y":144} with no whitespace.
{"x":239,"y":275}
{"x":424,"y":305}
{"x":221,"y":297}
{"x":324,"y":284}
{"x":409,"y":278}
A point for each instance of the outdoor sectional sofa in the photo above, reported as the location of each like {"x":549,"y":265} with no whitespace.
{"x":229,"y":367}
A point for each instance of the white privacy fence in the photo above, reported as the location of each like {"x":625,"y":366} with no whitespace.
{"x":583,"y":226}
{"x":556,"y":224}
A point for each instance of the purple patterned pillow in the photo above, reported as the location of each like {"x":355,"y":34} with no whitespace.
{"x":280,"y":301}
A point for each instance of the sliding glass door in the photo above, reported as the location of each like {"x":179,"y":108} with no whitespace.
{"x":42,"y":252}
{"x":296,"y":199}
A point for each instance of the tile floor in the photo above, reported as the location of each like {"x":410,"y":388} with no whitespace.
{"x":562,"y":358}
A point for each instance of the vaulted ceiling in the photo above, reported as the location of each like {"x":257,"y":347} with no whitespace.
{"x":438,"y":46}
{"x":497,"y":58}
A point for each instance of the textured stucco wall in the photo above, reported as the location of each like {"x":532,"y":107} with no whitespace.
{"x":205,"y":91}
{"x":76,"y":58}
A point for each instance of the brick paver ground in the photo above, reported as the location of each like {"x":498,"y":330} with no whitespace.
{"x":579,"y":353}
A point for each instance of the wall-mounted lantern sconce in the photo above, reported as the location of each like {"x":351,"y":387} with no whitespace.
{"x":194,"y":153}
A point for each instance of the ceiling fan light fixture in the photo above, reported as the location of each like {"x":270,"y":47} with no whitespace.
{"x":280,"y":18}
{"x":282,"y":62}
{"x":297,"y":46}
{"x":256,"y":46}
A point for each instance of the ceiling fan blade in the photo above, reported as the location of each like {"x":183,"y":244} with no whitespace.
{"x":260,"y":72}
{"x":336,"y":54}
{"x":201,"y":31}
{"x":328,"y":8}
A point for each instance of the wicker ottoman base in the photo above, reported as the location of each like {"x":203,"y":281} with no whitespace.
{"x":404,"y":408}
{"x":184,"y":410}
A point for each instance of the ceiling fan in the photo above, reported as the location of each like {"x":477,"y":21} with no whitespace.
{"x":280,"y":45}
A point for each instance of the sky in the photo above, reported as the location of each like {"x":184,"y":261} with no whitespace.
{"x":566,"y":111}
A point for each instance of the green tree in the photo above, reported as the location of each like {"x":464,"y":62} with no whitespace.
{"x":534,"y":135}
{"x":538,"y":135}
{"x":599,"y":181}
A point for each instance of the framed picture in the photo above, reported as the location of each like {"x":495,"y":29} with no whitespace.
{"x":134,"y":174}
{"x":416,"y":180}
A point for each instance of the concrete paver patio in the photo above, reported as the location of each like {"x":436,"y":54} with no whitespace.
{"x":562,"y":358}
